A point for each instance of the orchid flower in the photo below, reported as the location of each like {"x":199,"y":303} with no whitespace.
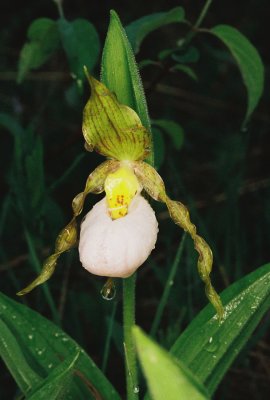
{"x":119,"y":233}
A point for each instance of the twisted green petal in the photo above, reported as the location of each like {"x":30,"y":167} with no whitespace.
{"x":67,"y":238}
{"x":113,"y":129}
{"x":154,"y":186}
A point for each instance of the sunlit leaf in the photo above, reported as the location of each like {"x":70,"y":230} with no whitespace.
{"x":208,"y":347}
{"x":166,"y":377}
{"x":248,"y":60}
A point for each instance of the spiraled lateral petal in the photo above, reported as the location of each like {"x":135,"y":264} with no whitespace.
{"x":154,"y":186}
{"x":67,"y":238}
{"x":111,"y":128}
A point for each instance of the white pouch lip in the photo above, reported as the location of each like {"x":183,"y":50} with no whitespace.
{"x":116,"y":248}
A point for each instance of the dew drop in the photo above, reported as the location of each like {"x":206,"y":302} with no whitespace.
{"x":136,"y":389}
{"x":212,"y":345}
{"x":108,"y":291}
{"x":30,"y":337}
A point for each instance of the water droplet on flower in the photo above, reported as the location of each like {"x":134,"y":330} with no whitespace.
{"x":136,"y":389}
{"x":108,"y":291}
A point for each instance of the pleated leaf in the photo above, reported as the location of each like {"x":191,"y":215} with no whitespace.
{"x":32,"y":347}
{"x":208,"y":347}
{"x":56,"y":385}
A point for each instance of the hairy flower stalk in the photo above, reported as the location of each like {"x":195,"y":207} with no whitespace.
{"x":119,"y":233}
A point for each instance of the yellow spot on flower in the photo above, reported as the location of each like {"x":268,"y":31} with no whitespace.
{"x":120,"y":187}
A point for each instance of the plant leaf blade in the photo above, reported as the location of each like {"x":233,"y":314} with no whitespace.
{"x":140,"y":28}
{"x":43,"y":41}
{"x":208,"y":347}
{"x":45,"y":346}
{"x":81,"y":44}
{"x":248,"y":60}
{"x":166,"y":378}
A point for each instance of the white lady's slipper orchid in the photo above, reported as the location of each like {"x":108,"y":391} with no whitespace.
{"x":119,"y":233}
{"x":117,"y":247}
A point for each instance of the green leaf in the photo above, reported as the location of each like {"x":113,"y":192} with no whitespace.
{"x":248,"y":60}
{"x":186,"y":70}
{"x":35,"y":176}
{"x":11,"y":124}
{"x":159,"y":147}
{"x":81,"y":44}
{"x":208,"y":347}
{"x":173,"y":130}
{"x":166,"y":377}
{"x":15,"y":360}
{"x":145,"y":63}
{"x":43,"y":41}
{"x":139,"y":29}
{"x":58,"y":382}
{"x":120,"y":73}
{"x":190,"y":55}
{"x":44,"y":347}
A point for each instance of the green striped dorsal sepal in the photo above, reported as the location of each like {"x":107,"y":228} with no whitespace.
{"x":113,"y":129}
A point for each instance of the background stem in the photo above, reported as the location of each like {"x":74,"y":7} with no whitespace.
{"x":198,"y":21}
{"x":167,"y":288}
{"x":203,"y":13}
{"x":129,"y":345}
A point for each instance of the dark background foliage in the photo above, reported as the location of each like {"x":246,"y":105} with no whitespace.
{"x":221,"y":173}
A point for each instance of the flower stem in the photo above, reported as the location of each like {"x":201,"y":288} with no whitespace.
{"x":168,"y":286}
{"x":129,"y":345}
